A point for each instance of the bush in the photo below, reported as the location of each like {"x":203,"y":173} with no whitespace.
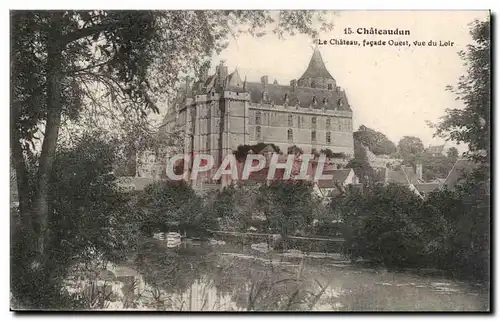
{"x":381,"y":226}
{"x":391,"y":226}
{"x":168,"y":205}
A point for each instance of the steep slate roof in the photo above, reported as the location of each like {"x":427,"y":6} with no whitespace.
{"x":234,"y":80}
{"x":427,"y":187}
{"x":301,"y":95}
{"x":316,"y":67}
{"x":268,"y":149}
{"x":435,"y":149}
{"x":397,"y":177}
{"x":462,"y":168}
{"x":340,"y":175}
{"x":410,"y":174}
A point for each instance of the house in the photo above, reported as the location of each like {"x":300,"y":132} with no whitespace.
{"x":411,"y":178}
{"x":436,"y":150}
{"x":342,"y":178}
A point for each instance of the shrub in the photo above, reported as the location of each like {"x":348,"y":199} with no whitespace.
{"x":172,"y":205}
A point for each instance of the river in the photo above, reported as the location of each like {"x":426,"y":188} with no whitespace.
{"x":225,"y":277}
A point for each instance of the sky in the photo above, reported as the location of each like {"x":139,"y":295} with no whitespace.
{"x":394,"y":90}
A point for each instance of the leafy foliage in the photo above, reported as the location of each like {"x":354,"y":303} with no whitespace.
{"x":170,"y":204}
{"x":472,"y":124}
{"x":382,"y":226}
{"x":376,"y":141}
{"x":391,"y":226}
{"x":410,"y":145}
{"x":287,"y":206}
{"x":234,"y":206}
{"x":88,"y":214}
{"x":360,"y":165}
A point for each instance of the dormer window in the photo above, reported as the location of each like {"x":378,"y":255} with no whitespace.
{"x":313,"y":84}
{"x":285,"y":98}
{"x":265,"y":96}
{"x":325,"y":101}
{"x":315,"y":100}
{"x":330,"y":86}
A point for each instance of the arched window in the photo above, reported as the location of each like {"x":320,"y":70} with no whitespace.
{"x":257,"y":118}
{"x":290,"y":121}
{"x":257,"y":133}
{"x":290,"y":134}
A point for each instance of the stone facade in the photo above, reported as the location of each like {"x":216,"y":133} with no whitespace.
{"x":222,"y":111}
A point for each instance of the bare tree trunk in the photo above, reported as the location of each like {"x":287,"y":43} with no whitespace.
{"x":21,"y":174}
{"x":54,"y":110}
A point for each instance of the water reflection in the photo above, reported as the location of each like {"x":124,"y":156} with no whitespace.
{"x":227,"y":278}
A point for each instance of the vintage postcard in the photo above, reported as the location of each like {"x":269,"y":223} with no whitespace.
{"x":250,"y":160}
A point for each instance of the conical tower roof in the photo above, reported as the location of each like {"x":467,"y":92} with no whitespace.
{"x":316,"y":68}
{"x":234,"y":79}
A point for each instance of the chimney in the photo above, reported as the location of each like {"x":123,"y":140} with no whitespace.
{"x":264,"y":80}
{"x":221,"y":71}
{"x":418,"y":170}
{"x":293,"y":84}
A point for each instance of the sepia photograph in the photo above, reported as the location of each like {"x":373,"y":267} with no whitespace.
{"x":250,"y":160}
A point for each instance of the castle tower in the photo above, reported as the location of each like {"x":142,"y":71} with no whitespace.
{"x":316,"y":74}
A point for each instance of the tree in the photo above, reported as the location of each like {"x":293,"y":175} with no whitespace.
{"x":376,"y":141}
{"x":88,"y":216}
{"x":65,"y":61}
{"x":383,"y":225}
{"x":472,"y":124}
{"x":360,"y":165}
{"x":287,"y":206}
{"x":410,"y":145}
{"x":294,"y":150}
{"x":169,"y":204}
{"x":452,"y":153}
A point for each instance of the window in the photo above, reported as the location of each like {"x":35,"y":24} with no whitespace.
{"x":313,"y":84}
{"x":298,"y":121}
{"x":257,"y":133}
{"x":290,"y":134}
{"x":330,"y":87}
{"x":328,"y":123}
{"x":257,"y":118}
{"x":313,"y":120}
{"x":328,"y":137}
{"x":290,"y":121}
{"x":313,"y":136}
